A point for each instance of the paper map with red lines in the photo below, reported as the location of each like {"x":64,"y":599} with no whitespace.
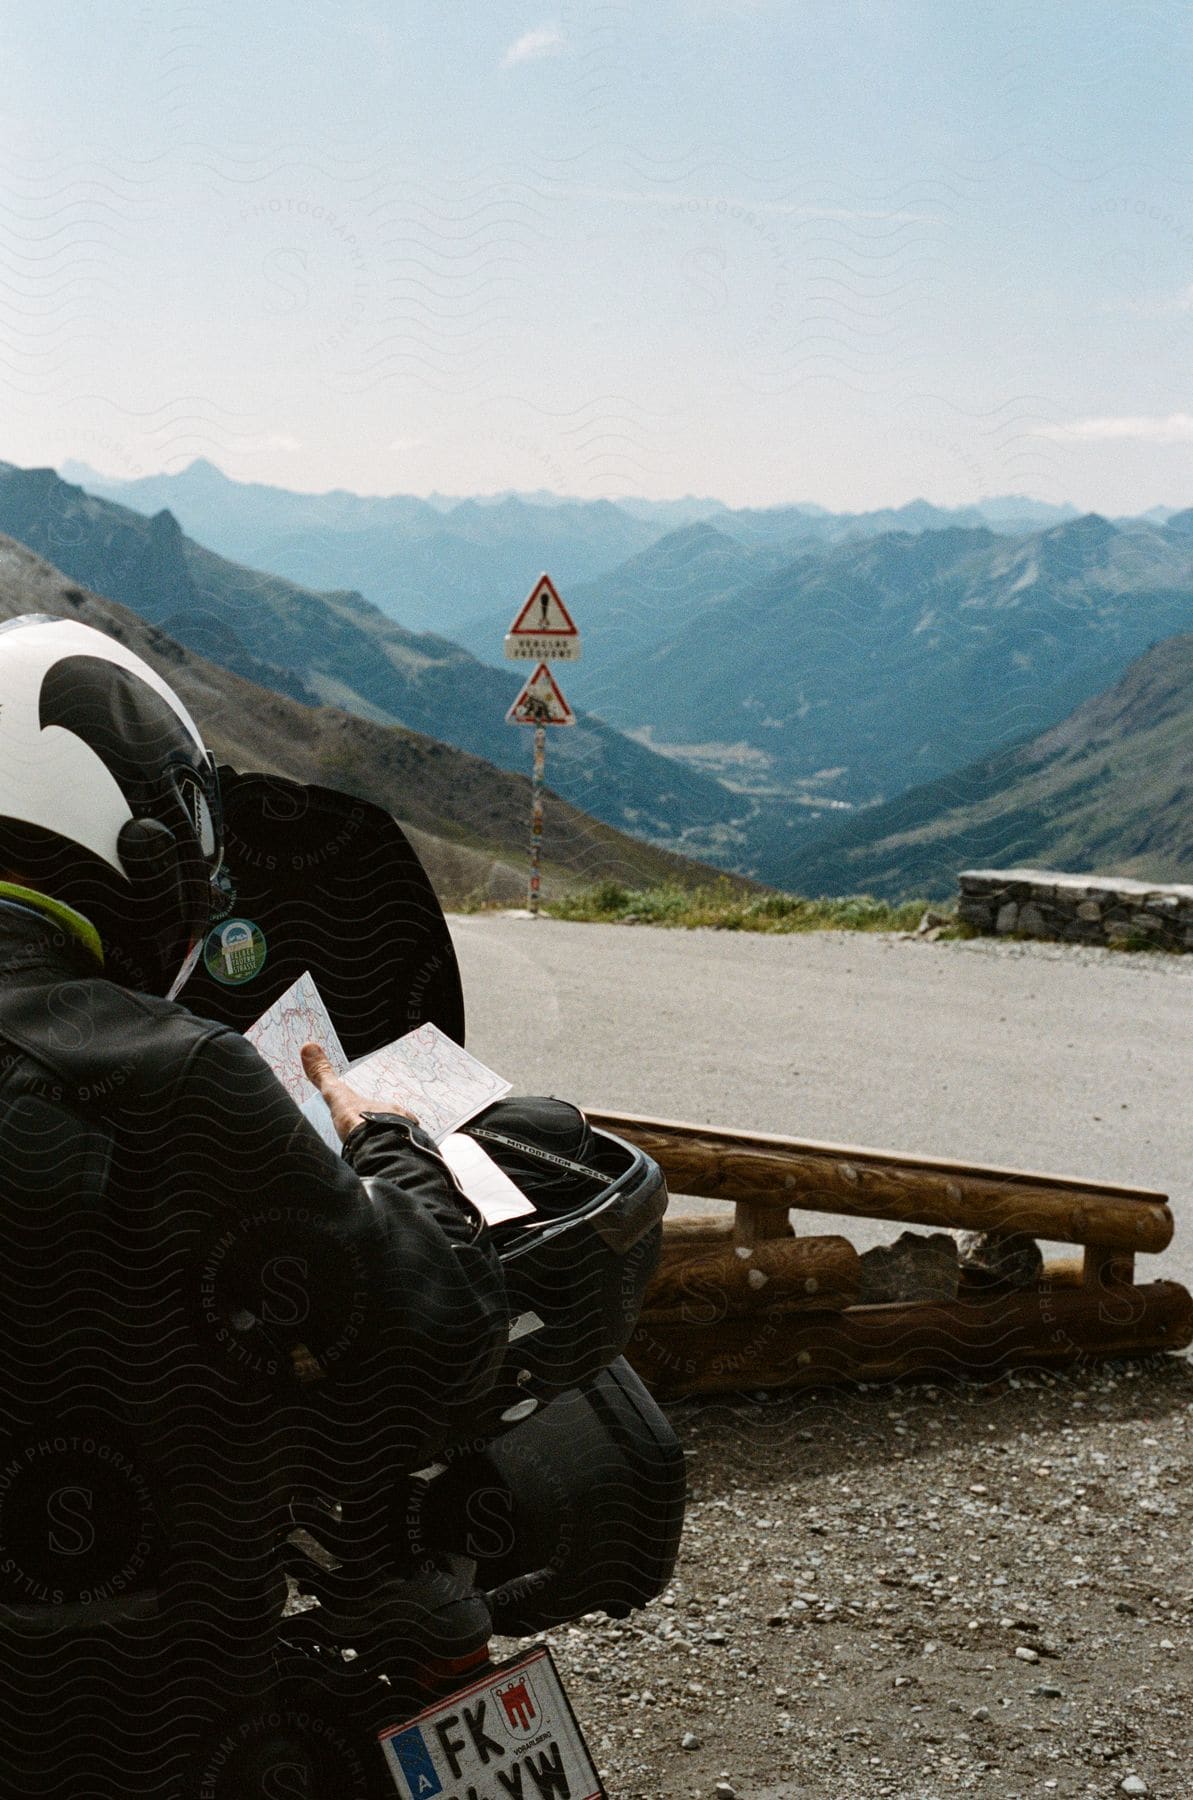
{"x":298,"y":1018}
{"x":432,"y":1077}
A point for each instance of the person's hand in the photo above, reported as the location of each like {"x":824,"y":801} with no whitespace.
{"x":346,"y":1106}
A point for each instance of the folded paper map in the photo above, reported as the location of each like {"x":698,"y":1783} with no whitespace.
{"x":424,"y":1072}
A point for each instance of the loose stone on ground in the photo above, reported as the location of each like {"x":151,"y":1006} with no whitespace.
{"x":917,"y":1539}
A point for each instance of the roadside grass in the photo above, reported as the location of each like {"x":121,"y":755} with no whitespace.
{"x":723,"y":908}
{"x":611,"y":903}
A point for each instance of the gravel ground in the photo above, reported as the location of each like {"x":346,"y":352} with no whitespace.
{"x":913,"y":1593}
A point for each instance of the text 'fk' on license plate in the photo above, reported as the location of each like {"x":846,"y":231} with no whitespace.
{"x":510,"y":1736}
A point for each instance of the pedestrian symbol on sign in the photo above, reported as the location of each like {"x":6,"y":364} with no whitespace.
{"x":543,"y":628}
{"x":541,"y":702}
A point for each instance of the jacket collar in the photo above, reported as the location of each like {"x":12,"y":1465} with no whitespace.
{"x":31,"y":937}
{"x":62,"y":915}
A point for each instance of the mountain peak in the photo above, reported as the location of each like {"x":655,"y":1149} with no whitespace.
{"x":1091,"y":525}
{"x":201,"y":469}
{"x":700,"y":531}
{"x":684,"y":544}
{"x":41,"y":481}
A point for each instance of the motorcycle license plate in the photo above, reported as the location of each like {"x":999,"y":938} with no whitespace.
{"x":509,"y":1736}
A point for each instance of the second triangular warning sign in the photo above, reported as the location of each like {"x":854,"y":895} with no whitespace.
{"x":544,"y":628}
{"x":541,"y":702}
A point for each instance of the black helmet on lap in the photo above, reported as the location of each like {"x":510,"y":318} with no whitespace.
{"x":109,"y":800}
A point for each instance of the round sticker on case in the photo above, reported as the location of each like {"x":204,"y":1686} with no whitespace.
{"x":234,"y":952}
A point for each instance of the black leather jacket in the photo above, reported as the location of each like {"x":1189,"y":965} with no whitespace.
{"x":195,"y":1288}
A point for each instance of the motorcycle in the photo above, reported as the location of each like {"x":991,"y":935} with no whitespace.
{"x":560,"y":1493}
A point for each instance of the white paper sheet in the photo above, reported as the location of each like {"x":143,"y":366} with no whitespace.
{"x":488,"y":1187}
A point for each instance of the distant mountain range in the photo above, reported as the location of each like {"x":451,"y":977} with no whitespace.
{"x":428,"y":564}
{"x":1108,"y":790}
{"x":807,"y":658}
{"x":468,"y":820}
{"x":336,"y":649}
{"x":440,"y":564}
{"x":758,"y":685}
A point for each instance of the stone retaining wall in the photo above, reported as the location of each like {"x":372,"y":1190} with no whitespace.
{"x":1081,"y":909}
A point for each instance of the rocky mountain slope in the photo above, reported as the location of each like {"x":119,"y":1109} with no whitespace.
{"x":881,"y":664}
{"x":1109,"y":790}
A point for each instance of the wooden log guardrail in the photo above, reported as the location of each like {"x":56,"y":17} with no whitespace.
{"x":812,"y":1273}
{"x":730,"y":1306}
{"x":764,"y":1171}
{"x":970,"y":1338}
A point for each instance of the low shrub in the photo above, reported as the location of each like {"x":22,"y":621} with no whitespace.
{"x":721,"y":909}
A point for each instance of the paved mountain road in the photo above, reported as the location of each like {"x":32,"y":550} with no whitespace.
{"x":1034,"y":1056}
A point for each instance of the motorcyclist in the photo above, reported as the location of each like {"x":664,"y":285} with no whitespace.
{"x":197,"y":1296}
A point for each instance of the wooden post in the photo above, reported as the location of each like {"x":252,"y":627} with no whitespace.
{"x":756,"y":1224}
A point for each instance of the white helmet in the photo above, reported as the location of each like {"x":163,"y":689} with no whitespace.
{"x":109,"y":800}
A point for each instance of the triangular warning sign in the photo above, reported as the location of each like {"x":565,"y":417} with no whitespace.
{"x":541,"y":702}
{"x":544,"y":614}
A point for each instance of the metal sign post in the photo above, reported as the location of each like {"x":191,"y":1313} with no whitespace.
{"x":543,"y":628}
{"x":536,"y":817}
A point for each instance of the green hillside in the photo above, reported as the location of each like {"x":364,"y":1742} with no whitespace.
{"x":1107,"y":791}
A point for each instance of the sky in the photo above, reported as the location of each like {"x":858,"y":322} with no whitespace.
{"x":839,"y":251}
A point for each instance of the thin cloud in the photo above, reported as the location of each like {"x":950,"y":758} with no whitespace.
{"x":271,"y":440}
{"x":1157,"y":306}
{"x":547,"y":40}
{"x":1166,"y":428}
{"x":726,"y":205}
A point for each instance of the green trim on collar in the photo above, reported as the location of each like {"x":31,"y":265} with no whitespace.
{"x":63,"y":915}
